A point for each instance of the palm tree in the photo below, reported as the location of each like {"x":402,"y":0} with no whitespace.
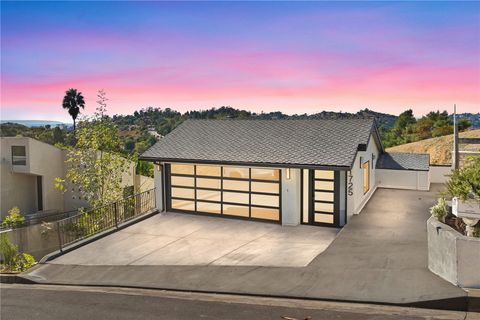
{"x":73,"y":101}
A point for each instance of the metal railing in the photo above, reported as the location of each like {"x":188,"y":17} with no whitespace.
{"x":93,"y":221}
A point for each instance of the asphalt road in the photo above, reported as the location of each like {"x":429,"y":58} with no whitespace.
{"x":66,"y":302}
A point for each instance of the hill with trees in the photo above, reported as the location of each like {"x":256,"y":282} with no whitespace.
{"x":439,"y":148}
{"x":140,"y":130}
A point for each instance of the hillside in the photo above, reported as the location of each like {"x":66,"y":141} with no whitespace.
{"x":440,"y":148}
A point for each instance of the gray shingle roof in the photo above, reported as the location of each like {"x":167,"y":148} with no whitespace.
{"x":404,"y":161}
{"x":290,"y":142}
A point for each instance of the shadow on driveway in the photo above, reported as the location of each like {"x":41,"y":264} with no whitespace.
{"x":379,"y":257}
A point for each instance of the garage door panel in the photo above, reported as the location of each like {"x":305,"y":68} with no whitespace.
{"x":208,"y":183}
{"x":183,"y":181}
{"x":265,"y":213}
{"x":183,"y":193}
{"x":183,"y":205}
{"x":236,"y":185}
{"x":233,"y":210}
{"x":209,"y":207}
{"x":209,"y":195}
{"x":264,"y":200}
{"x":236,"y":197}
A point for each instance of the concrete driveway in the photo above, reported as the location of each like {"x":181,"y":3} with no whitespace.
{"x":181,"y":239}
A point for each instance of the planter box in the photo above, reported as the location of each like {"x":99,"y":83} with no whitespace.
{"x":466,"y":209}
{"x":453,"y":256}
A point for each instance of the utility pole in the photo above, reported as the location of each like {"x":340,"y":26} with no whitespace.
{"x":455,"y":153}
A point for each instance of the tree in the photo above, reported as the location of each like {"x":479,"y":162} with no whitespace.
{"x":58,"y":135}
{"x":464,"y":124}
{"x":73,"y":101}
{"x":405,"y":119}
{"x":95,"y":165}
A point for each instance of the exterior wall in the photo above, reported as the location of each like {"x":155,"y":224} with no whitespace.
{"x":143,"y":183}
{"x":356,"y":198}
{"x":291,"y":197}
{"x":403,"y":179}
{"x":158,"y":181}
{"x":438,"y":174}
{"x":17,"y":189}
{"x":452,"y":255}
{"x":19,"y":184}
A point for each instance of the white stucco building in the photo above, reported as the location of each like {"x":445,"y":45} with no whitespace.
{"x":28,"y":171}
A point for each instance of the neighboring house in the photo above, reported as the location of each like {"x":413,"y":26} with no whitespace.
{"x":28,"y":171}
{"x":317,"y":172}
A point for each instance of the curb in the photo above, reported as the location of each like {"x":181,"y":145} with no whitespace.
{"x":11,"y":278}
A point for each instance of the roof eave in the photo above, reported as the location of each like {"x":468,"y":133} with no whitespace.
{"x":247,"y":163}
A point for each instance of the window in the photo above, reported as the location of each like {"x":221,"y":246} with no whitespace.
{"x":19,"y":156}
{"x":366,"y":176}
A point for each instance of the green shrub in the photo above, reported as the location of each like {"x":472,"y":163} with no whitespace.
{"x":439,"y":210}
{"x":12,"y":260}
{"x":476,"y":232}
{"x":464,"y":183}
{"x":14,"y":219}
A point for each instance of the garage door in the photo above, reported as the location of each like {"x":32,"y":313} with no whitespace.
{"x":249,"y":193}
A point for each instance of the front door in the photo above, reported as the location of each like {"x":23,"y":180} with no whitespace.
{"x":321,"y":190}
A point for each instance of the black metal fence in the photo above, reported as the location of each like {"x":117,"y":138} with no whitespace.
{"x":93,"y":221}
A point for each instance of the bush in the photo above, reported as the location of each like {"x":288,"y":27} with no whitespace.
{"x":14,"y":219}
{"x":464,"y":183}
{"x":12,"y":260}
{"x":439,"y":210}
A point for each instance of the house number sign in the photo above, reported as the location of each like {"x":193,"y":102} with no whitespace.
{"x":350,"y":184}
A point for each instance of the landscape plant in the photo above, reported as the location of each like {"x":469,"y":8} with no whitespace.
{"x":464,"y":183}
{"x":96,"y":166}
{"x":14,"y":219}
{"x":12,"y":260}
{"x":440,"y":210}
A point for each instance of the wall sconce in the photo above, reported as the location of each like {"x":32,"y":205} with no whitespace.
{"x":288,"y":173}
{"x":158,"y":167}
{"x":361,"y":161}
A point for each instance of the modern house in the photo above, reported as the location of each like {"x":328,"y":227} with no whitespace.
{"x":317,"y":172}
{"x":28,"y":171}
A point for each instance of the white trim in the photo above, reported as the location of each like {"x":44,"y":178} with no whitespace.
{"x":365,"y":200}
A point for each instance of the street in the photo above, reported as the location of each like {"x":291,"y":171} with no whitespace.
{"x":69,"y":302}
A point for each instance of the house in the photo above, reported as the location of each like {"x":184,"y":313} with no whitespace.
{"x":317,"y":172}
{"x":28,"y":171}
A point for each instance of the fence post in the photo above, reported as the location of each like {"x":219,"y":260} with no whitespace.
{"x":59,"y":235}
{"x":116,"y":214}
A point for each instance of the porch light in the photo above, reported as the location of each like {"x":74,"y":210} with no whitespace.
{"x":361,"y":161}
{"x":288,"y":173}
{"x":158,"y":167}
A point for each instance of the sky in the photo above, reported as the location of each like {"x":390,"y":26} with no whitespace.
{"x":295,"y":57}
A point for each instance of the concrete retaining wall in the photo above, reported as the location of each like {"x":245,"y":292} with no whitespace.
{"x":31,"y":239}
{"x":403,"y":179}
{"x":453,"y":256}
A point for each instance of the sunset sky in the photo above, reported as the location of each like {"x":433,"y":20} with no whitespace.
{"x":295,"y":57}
